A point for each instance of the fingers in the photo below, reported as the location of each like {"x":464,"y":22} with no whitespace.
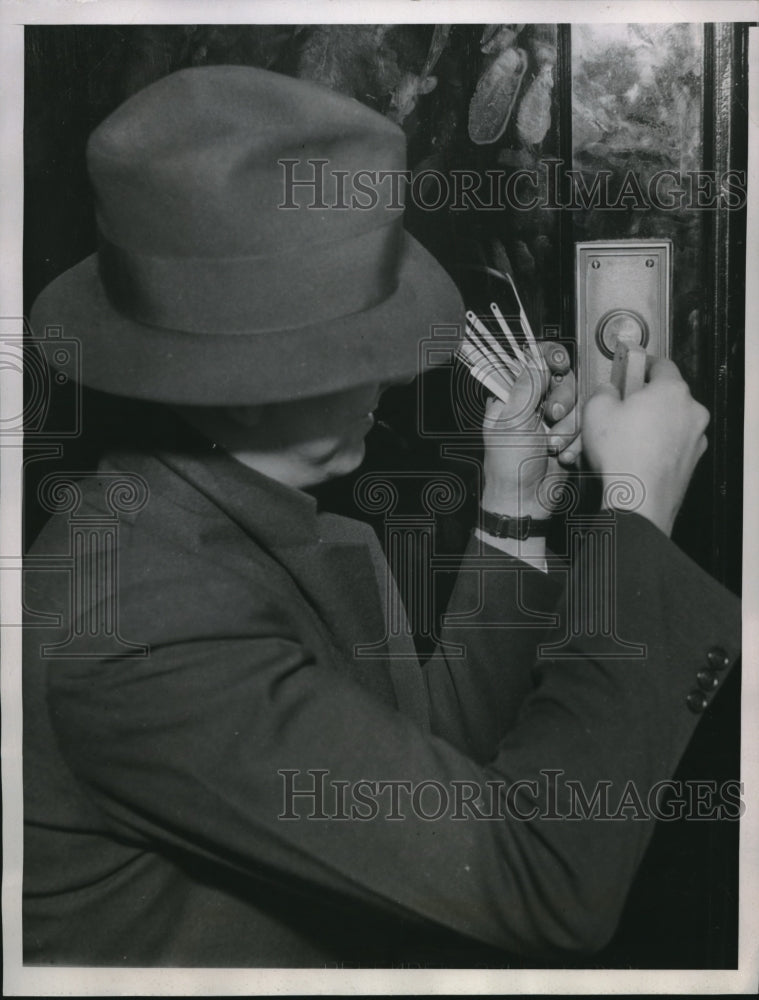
{"x":552,"y":384}
{"x":665,"y":375}
{"x":605,"y":390}
{"x":564,"y":435}
{"x":521,"y":411}
{"x":556,"y":356}
{"x":701,"y":417}
{"x":524,"y":399}
{"x":604,"y":401}
{"x":567,"y":428}
{"x":561,"y":397}
{"x":663,"y":370}
{"x":571,"y":453}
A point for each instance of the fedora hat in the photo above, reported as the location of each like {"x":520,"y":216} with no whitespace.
{"x":249,"y":251}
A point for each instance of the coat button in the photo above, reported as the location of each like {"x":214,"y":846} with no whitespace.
{"x":717,"y":658}
{"x":707,"y":680}
{"x":696,"y":701}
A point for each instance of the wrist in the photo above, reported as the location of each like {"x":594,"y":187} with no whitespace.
{"x":512,"y":504}
{"x":659,"y":510}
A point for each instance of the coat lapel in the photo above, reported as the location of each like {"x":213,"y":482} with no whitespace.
{"x":328,"y":558}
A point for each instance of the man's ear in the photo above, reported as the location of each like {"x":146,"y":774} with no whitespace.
{"x":245,"y":416}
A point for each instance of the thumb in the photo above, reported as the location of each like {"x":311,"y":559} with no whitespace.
{"x":604,"y":399}
{"x":608,"y":390}
{"x":524,"y":400}
{"x":511,"y":416}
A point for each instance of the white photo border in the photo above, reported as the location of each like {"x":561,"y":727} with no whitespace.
{"x":87,"y":981}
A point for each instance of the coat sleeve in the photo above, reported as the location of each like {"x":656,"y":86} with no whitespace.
{"x":243,"y":748}
{"x":501,"y":609}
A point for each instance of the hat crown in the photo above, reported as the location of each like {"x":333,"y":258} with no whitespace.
{"x":205,"y":289}
{"x":193,"y":165}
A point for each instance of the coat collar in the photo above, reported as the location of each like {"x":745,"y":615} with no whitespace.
{"x":278,"y":516}
{"x":339,"y":579}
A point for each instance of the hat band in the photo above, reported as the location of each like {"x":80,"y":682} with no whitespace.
{"x":311,"y":283}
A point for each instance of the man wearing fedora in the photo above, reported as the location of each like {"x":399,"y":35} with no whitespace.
{"x":210,"y":792}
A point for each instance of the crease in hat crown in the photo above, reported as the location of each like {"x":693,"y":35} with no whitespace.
{"x":204,"y":290}
{"x":191,"y":165}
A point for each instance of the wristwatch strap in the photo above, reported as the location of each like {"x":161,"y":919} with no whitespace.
{"x":505,"y":526}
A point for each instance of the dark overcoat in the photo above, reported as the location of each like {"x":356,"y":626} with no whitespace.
{"x":163,"y":820}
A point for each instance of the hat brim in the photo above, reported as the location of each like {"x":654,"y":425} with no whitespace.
{"x":390,"y":341}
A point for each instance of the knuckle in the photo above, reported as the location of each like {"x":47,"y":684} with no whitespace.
{"x":669,"y":365}
{"x":680,"y":389}
{"x":702,"y":416}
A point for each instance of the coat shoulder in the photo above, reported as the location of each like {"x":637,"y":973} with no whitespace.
{"x":175,"y":567}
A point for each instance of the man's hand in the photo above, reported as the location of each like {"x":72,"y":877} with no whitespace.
{"x":656,"y":434}
{"x":531,"y":436}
